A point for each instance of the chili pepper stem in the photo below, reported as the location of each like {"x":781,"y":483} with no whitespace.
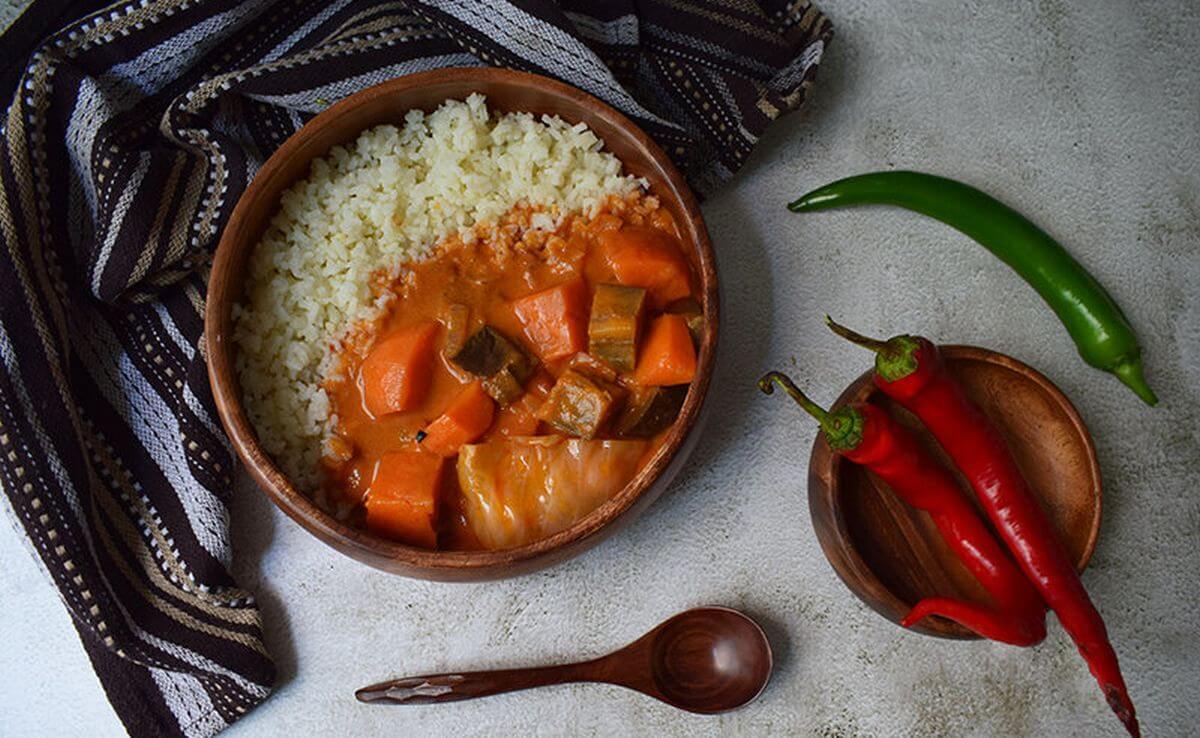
{"x":767,"y":385}
{"x":895,"y":358}
{"x":822,"y":197}
{"x":874,"y":344}
{"x":842,"y":427}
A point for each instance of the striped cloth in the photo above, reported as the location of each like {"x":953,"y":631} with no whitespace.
{"x":131,"y":135}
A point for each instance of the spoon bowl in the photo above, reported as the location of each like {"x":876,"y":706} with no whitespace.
{"x":709,"y":660}
{"x":705,"y":660}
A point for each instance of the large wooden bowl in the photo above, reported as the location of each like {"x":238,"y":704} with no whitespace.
{"x":891,"y":555}
{"x":507,"y":91}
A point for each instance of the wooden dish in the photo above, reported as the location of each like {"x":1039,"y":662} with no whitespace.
{"x":891,"y":555}
{"x":387,"y":103}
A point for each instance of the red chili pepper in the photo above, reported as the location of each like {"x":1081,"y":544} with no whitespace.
{"x":867,"y":435}
{"x":910,"y":370}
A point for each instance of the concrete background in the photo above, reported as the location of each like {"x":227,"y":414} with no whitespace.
{"x":9,"y":10}
{"x":1085,"y":115}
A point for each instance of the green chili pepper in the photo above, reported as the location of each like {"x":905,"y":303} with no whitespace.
{"x":1095,"y":321}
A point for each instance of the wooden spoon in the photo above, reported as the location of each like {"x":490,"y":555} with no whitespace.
{"x":706,"y":660}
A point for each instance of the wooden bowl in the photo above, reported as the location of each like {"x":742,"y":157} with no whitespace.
{"x":506,"y":91}
{"x":891,"y":555}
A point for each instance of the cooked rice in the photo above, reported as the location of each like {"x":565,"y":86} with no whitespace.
{"x":368,"y":207}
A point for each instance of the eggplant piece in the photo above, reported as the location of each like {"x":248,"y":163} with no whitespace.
{"x":616,"y":324}
{"x":500,"y":363}
{"x":693,"y":314}
{"x":592,"y":367}
{"x":579,"y":405}
{"x":650,"y":410}
{"x":504,"y":386}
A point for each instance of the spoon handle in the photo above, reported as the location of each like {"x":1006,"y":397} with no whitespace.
{"x":422,"y":690}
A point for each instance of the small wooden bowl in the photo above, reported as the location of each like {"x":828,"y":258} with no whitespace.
{"x":387,"y":103}
{"x":891,"y":555}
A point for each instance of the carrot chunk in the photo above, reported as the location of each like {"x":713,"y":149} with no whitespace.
{"x":396,"y":375}
{"x":402,"y":499}
{"x":649,"y":258}
{"x":668,"y":356}
{"x":555,"y":319}
{"x":466,"y":419}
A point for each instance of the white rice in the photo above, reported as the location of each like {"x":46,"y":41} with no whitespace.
{"x":386,"y":199}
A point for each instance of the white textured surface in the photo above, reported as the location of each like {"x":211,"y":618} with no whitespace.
{"x":9,"y":10}
{"x":1085,"y":115}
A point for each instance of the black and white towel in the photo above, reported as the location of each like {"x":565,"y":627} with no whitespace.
{"x":130,"y":134}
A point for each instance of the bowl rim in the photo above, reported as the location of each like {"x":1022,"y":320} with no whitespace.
{"x":837,"y":543}
{"x":392,"y":555}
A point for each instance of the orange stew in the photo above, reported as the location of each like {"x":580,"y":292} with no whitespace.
{"x":516,"y":381}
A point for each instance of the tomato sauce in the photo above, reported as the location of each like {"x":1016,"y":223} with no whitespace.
{"x":506,"y":261}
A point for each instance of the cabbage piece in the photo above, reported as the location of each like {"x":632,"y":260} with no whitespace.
{"x":520,"y":489}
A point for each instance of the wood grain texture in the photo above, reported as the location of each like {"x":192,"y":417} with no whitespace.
{"x":892,"y":555}
{"x":705,"y":660}
{"x":507,"y":91}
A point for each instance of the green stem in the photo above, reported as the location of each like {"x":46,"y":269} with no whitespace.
{"x":895,"y":358}
{"x":810,"y":407}
{"x":843,"y":427}
{"x":874,"y":344}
